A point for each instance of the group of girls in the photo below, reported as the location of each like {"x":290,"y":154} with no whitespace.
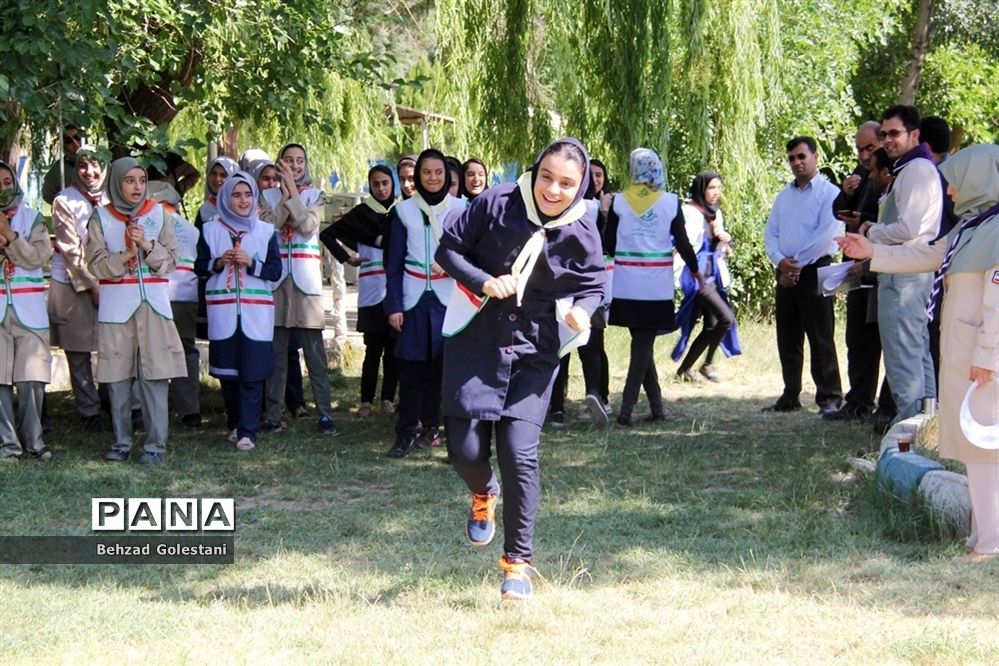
{"x":402,"y":292}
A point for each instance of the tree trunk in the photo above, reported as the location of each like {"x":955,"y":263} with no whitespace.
{"x":10,"y":130}
{"x":921,"y":35}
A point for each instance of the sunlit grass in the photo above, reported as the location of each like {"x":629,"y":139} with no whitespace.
{"x":718,"y":536}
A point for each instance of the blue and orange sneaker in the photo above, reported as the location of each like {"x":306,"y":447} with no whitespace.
{"x":481,"y":526}
{"x":516,"y":579}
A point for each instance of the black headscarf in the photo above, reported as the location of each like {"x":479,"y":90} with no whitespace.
{"x":584,"y":186}
{"x":462,"y":190}
{"x":403,"y":161}
{"x":591,"y":191}
{"x":700,"y":184}
{"x":432,"y":198}
{"x":387,"y":203}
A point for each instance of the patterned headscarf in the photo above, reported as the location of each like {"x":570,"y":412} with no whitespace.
{"x":89,"y":153}
{"x":10,"y":199}
{"x":646,"y":169}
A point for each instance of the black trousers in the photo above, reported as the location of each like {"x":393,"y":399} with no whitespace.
{"x":804,"y":312}
{"x":470,"y":447}
{"x":294,"y":390}
{"x":717,"y":320}
{"x":419,"y":394}
{"x":642,"y":373}
{"x":596,"y":372}
{"x":863,"y":356}
{"x":379,"y":350}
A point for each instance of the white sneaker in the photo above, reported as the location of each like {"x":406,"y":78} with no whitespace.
{"x":596,"y":408}
{"x":232,"y":437}
{"x":245,"y":444}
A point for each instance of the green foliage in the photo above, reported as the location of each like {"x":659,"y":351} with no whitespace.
{"x":959,"y":84}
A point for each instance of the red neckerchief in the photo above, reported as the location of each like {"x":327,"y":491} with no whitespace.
{"x":147,"y":205}
{"x":233,"y":268}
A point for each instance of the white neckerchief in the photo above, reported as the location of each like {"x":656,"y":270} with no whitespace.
{"x":523,"y":265}
{"x":434,"y":212}
{"x":373,"y":204}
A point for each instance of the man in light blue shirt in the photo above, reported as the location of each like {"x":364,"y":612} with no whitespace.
{"x":799,"y":239}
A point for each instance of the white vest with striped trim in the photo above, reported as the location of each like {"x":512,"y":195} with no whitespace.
{"x":301,"y":256}
{"x":23,"y":291}
{"x":82,"y":209}
{"x":183,"y":281}
{"x":421,"y":244}
{"x":370,"y":276}
{"x":235,"y":295}
{"x":643,"y":261}
{"x":121,"y":298}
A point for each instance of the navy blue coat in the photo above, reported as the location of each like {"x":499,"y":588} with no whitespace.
{"x":504,"y":362}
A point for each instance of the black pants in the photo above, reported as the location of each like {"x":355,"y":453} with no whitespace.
{"x":803,"y":312}
{"x":596,"y":371}
{"x":470,"y":448}
{"x":717,"y":320}
{"x":560,"y":388}
{"x":294,"y":390}
{"x":863,"y":356}
{"x":243,"y":402}
{"x":642,"y":372}
{"x":379,"y":350}
{"x":419,"y":394}
{"x":934,"y":328}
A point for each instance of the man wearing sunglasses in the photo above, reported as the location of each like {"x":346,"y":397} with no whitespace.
{"x":909,"y":213}
{"x":72,"y":139}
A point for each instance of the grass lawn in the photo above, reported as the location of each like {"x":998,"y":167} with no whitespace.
{"x":720,"y":536}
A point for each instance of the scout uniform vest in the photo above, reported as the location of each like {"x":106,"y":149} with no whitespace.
{"x":82,"y":209}
{"x":183,"y":281}
{"x":23,"y":289}
{"x":643,"y":262}
{"x":421,"y":244}
{"x":121,"y":298}
{"x":233,"y":295}
{"x":300,"y":255}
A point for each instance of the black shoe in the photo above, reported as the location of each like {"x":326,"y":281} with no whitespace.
{"x":91,"y":422}
{"x":708,"y":371}
{"x":556,"y":420}
{"x":783,"y":406}
{"x":656,"y":417}
{"x":850,"y":412}
{"x":687,"y":376}
{"x":191,"y":420}
{"x":828,"y":409}
{"x":623,"y":420}
{"x":402,"y":447}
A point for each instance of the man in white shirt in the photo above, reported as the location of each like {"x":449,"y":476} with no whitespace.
{"x":909,"y":213}
{"x":799,"y":239}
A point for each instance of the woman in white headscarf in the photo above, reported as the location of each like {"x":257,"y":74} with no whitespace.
{"x":967,"y":265}
{"x":644,"y":224}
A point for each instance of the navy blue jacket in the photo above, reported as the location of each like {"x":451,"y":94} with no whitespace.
{"x":504,"y":362}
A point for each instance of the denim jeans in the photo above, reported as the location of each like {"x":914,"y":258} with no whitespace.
{"x":904,"y":339}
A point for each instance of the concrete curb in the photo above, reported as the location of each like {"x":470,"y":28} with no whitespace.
{"x":945,"y":493}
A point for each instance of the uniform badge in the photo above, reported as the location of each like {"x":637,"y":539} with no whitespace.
{"x":995,"y":278}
